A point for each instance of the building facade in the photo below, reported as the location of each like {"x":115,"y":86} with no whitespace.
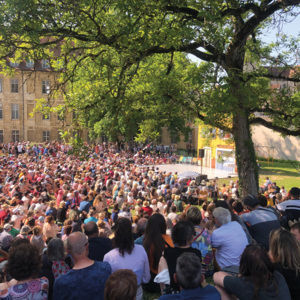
{"x":18,"y":92}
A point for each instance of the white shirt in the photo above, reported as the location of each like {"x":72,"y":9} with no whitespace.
{"x":137,"y":261}
{"x":283,"y":205}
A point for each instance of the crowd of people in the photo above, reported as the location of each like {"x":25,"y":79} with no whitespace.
{"x":113,"y":226}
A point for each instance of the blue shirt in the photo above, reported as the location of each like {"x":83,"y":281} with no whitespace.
{"x":84,"y":205}
{"x":87,"y":283}
{"x":230,"y":240}
{"x":207,"y":293}
{"x":90,"y":219}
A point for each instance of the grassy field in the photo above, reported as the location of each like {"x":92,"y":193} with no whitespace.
{"x":283,"y":173}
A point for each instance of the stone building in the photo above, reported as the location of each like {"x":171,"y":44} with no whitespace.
{"x":29,"y":81}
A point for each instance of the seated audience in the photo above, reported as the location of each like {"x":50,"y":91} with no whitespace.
{"x":87,"y":278}
{"x":127,"y":255}
{"x":295,"y":230}
{"x":155,"y":241}
{"x":189,"y":277}
{"x":24,"y":265}
{"x":54,"y":263}
{"x":285,"y":254}
{"x":98,"y":246}
{"x":291,"y":207}
{"x":260,"y":220}
{"x":121,"y":285}
{"x":201,"y":239}
{"x":257,"y":278}
{"x":228,"y":238}
{"x":182,"y":236}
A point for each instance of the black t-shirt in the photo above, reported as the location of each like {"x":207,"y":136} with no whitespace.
{"x":98,"y":247}
{"x":292,"y":279}
{"x":61,"y":214}
{"x":171,"y":255}
{"x":244,"y":289}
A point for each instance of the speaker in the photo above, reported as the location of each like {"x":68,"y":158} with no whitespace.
{"x":199,"y":179}
{"x":201,"y":153}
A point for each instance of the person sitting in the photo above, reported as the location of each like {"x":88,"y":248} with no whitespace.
{"x":155,"y":240}
{"x":92,"y":216}
{"x":295,"y":230}
{"x":260,"y":220}
{"x":291,"y":208}
{"x":87,"y":278}
{"x":182,"y":236}
{"x":189,"y":277}
{"x":98,"y":246}
{"x":201,"y":239}
{"x":50,"y":229}
{"x":229,"y":239}
{"x":24,"y":265}
{"x":285,"y":254}
{"x":54,"y":263}
{"x":257,"y":278}
{"x":127,"y":255}
{"x":121,"y":285}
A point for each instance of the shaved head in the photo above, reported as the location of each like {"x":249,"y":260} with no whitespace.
{"x":90,"y":228}
{"x":76,"y":243}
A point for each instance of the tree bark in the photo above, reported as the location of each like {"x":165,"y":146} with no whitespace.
{"x":245,"y":154}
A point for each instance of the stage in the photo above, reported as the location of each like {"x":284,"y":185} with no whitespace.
{"x":211,"y":173}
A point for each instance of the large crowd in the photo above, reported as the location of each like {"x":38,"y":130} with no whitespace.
{"x":113,"y":226}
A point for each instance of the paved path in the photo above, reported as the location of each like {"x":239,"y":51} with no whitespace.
{"x":211,"y":173}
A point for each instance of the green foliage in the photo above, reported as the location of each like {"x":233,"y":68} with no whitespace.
{"x":125,"y":74}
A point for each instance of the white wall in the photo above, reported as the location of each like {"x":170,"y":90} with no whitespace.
{"x":269,"y":143}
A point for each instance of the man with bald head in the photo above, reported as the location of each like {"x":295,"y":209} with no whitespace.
{"x":98,"y":246}
{"x":87,"y":278}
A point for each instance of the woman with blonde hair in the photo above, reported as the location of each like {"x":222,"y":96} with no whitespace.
{"x":285,"y":254}
{"x":99,"y":204}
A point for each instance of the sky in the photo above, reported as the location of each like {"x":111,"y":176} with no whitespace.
{"x":292,"y":28}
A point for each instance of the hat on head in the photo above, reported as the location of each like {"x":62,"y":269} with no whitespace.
{"x":7,"y":227}
{"x":41,"y":219}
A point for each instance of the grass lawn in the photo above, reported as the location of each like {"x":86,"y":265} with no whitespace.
{"x":283,"y":173}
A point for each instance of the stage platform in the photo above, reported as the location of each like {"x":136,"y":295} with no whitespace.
{"x":211,"y":173}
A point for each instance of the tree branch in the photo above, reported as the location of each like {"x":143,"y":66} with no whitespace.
{"x":190,"y":12}
{"x":271,"y":111}
{"x":215,"y":124}
{"x":189,"y":48}
{"x":278,"y":128}
{"x":262,"y":14}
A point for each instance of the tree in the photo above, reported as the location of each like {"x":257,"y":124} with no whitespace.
{"x":226,"y":34}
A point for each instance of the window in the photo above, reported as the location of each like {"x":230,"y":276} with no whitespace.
{"x":15,"y":135}
{"x":45,"y":87}
{"x":45,"y":64}
{"x":174,"y":137}
{"x":0,"y":85}
{"x":1,"y":136}
{"x":14,"y":85}
{"x":15,"y":111}
{"x":46,"y":136}
{"x":1,"y":111}
{"x":29,"y":63}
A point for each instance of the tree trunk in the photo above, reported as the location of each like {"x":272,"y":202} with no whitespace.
{"x":245,"y":154}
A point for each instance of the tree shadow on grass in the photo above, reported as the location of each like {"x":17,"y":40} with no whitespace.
{"x":279,"y":172}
